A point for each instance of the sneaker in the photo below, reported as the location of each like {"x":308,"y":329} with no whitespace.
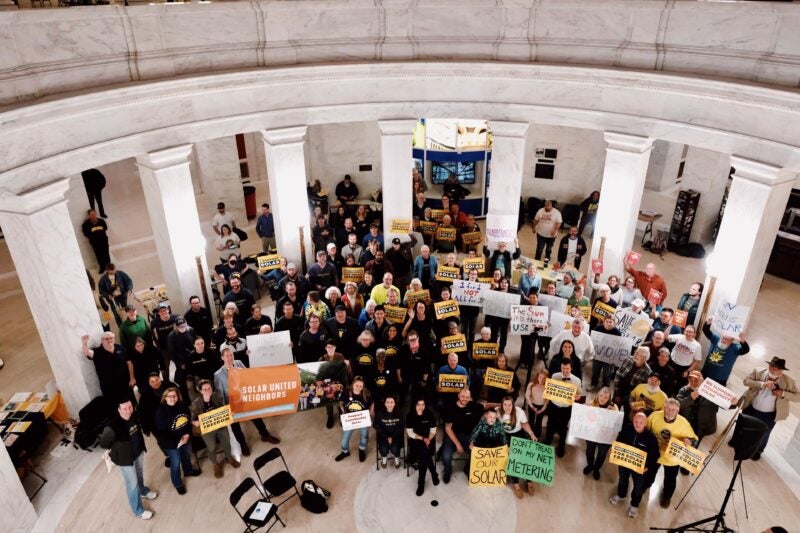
{"x":152,"y":495}
{"x":586,"y":470}
{"x":362,"y":455}
{"x":146,"y":515}
{"x":167,"y":462}
{"x":194,"y":473}
{"x":234,"y":463}
{"x":560,"y":451}
{"x":397,"y":463}
{"x":341,"y":456}
{"x":614,"y":500}
{"x":435,"y":480}
{"x":633,"y":511}
{"x":420,"y":490}
{"x":665,"y":502}
{"x":684,"y":472}
{"x":446,"y":478}
{"x":329,"y":423}
{"x":531,"y":488}
{"x":383,"y":462}
{"x":245,"y":450}
{"x":756,"y":457}
{"x":181,"y":490}
{"x":517,"y":491}
{"x":269,"y":438}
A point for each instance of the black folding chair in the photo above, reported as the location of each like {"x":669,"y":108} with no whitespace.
{"x":254,"y":524}
{"x":279,"y":483}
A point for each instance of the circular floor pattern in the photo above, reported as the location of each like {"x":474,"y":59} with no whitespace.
{"x":386,"y":502}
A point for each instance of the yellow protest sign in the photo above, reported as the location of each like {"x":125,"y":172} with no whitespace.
{"x":485,"y":350}
{"x":473,"y":262}
{"x":446,"y":273}
{"x":412,"y":297}
{"x":399,"y":225}
{"x":437,"y":214}
{"x":502,"y":379}
{"x":561,"y":391}
{"x":394,"y":314}
{"x":451,"y":383}
{"x":472,"y":237}
{"x":428,"y":228}
{"x":454,"y":343}
{"x":485,"y":280}
{"x":352,"y":274}
{"x":488,"y":467}
{"x":601,"y":310}
{"x":445,"y":234}
{"x":445,"y":309}
{"x":689,"y":458}
{"x":269,"y":262}
{"x":586,"y":312}
{"x":627,"y":456}
{"x":215,"y":419}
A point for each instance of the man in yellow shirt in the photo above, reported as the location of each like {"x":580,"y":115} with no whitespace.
{"x":665,"y":425}
{"x":648,"y":396}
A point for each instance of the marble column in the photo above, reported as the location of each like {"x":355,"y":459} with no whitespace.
{"x":396,"y":165}
{"x":624,"y":173}
{"x":756,"y":202}
{"x":706,"y":172}
{"x":220,"y":177}
{"x":47,"y":259}
{"x":793,"y":449}
{"x":169,"y":196}
{"x":18,"y":514}
{"x":508,"y":160}
{"x":286,"y":172}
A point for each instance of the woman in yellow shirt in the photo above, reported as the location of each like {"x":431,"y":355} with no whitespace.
{"x":666,"y":425}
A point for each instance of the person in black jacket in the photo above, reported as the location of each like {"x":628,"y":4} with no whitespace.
{"x":389,"y":431}
{"x":589,"y":211}
{"x":96,"y":230}
{"x":199,"y":319}
{"x":421,"y":431}
{"x":638,"y":436}
{"x":124,"y":438}
{"x":94,"y":182}
{"x":173,"y":430}
{"x":501,"y":258}
{"x":571,"y":245}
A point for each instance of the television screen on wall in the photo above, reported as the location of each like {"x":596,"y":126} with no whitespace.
{"x":464,"y":171}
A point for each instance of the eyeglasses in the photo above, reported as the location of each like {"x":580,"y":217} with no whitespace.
{"x":175,"y":396}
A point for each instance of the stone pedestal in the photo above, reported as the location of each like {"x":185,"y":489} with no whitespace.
{"x":286,"y":170}
{"x":168,"y":193}
{"x":47,"y":259}
{"x":706,"y":172}
{"x":396,"y":165}
{"x":220,"y":177}
{"x":624,"y":175}
{"x":508,"y":159}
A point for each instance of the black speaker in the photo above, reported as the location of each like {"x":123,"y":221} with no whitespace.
{"x":747,"y":436}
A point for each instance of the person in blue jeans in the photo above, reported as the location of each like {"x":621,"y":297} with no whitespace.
{"x":460,"y":418}
{"x":123,"y":437}
{"x":356,"y":399}
{"x":173,"y":429}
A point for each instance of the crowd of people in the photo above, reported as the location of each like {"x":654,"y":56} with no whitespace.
{"x":391,"y":367}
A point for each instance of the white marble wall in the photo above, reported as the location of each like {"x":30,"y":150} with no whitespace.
{"x":218,"y":164}
{"x":508,"y":161}
{"x":18,"y":515}
{"x":706,"y":171}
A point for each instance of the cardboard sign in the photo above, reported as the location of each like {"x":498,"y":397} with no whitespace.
{"x":352,"y":274}
{"x":412,"y":297}
{"x":719,"y":394}
{"x":595,"y":424}
{"x":562,"y":391}
{"x":438,"y":214}
{"x":263,"y":391}
{"x":428,"y":228}
{"x":633,"y":258}
{"x":394,"y":314}
{"x":525,"y":318}
{"x":531,"y":460}
{"x":451,"y":383}
{"x":632,"y":325}
{"x":501,"y":228}
{"x":487,"y":281}
{"x":597,"y":266}
{"x":600,"y":310}
{"x":476,"y":263}
{"x":611,"y":349}
{"x":399,"y":225}
{"x":270,"y":349}
{"x":497,"y":303}
{"x":445,"y":234}
{"x":555,"y":303}
{"x":680,"y":318}
{"x":689,"y":458}
{"x":471,"y":237}
{"x":558,"y":322}
{"x":586,"y":312}
{"x":355,"y":420}
{"x":488,"y":467}
{"x":501,"y":379}
{"x":654,"y":297}
{"x":445,"y":309}
{"x":215,"y":419}
{"x":628,"y":457}
{"x":446,"y":273}
{"x":454,"y":343}
{"x":269,"y":262}
{"x":729,"y":319}
{"x":485,"y":350}
{"x":469,"y":292}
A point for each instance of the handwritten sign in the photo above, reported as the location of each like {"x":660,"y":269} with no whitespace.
{"x":497,"y":303}
{"x":597,"y":266}
{"x":633,"y":258}
{"x":555,"y":303}
{"x":445,"y":234}
{"x":469,"y":292}
{"x":525,"y":318}
{"x":352,"y":274}
{"x":632,"y":325}
{"x":600,"y":310}
{"x":485,"y":350}
{"x":595,"y":424}
{"x":501,"y":379}
{"x":689,"y":458}
{"x":654,"y":297}
{"x":454,"y":343}
{"x":215,"y":419}
{"x":561,"y":391}
{"x":558,"y":322}
{"x":270,"y":349}
{"x":269,"y":262}
{"x":438,"y":214}
{"x":446,"y":273}
{"x":399,"y":225}
{"x":714,"y":392}
{"x":445,"y":309}
{"x":412,"y":297}
{"x":488,"y":467}
{"x":531,"y":460}
{"x":471,"y":237}
{"x":729,"y":319}
{"x":355,"y":420}
{"x":501,"y":228}
{"x":611,"y":349}
{"x":394,"y":314}
{"x":680,"y":318}
{"x":428,"y":227}
{"x":476,"y":263}
{"x":451,"y":383}
{"x":628,"y":457}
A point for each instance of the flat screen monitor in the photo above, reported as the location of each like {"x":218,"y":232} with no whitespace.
{"x":464,"y":171}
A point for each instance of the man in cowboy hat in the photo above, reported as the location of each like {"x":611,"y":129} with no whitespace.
{"x":769,"y":392}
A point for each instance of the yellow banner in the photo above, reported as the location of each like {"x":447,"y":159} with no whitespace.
{"x":627,"y":456}
{"x":451,"y":383}
{"x":454,"y":343}
{"x":600,"y":310}
{"x":472,"y":237}
{"x":400,"y":225}
{"x":427,"y":227}
{"x":437,"y":214}
{"x":446,"y":273}
{"x":412,"y":297}
{"x":502,"y":379}
{"x":215,"y":419}
{"x":352,"y":274}
{"x":475,"y":262}
{"x":562,"y":391}
{"x":269,"y":262}
{"x":485,"y":280}
{"x":395,"y":315}
{"x":445,"y":234}
{"x":445,"y":309}
{"x":689,"y":458}
{"x":485,"y":350}
{"x":488,"y":467}
{"x":586,"y":312}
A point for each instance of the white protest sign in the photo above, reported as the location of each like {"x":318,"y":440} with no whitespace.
{"x":501,"y":228}
{"x":595,"y":424}
{"x":611,"y":349}
{"x":497,"y":303}
{"x":270,"y":349}
{"x":356,"y":420}
{"x":558,"y":322}
{"x":632,"y":325}
{"x":729,"y":319}
{"x":720,"y":395}
{"x":469,"y":292}
{"x":555,"y":303}
{"x":524,"y":318}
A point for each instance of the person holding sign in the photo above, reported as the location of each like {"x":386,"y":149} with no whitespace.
{"x":722,"y":354}
{"x":460,"y":418}
{"x":690,"y":301}
{"x":501,"y":258}
{"x":664,"y":425}
{"x":595,"y":451}
{"x":607,"y":370}
{"x":535,"y":402}
{"x":444,"y":241}
{"x":637,"y":436}
{"x":648,"y":397}
{"x":356,"y":399}
{"x":560,"y":411}
{"x":421,"y":431}
{"x":515,"y":424}
{"x":647,"y":280}
{"x":495,"y":395}
{"x":452,"y":368}
{"x":206,"y":401}
{"x":498,"y":324}
{"x":698,"y":410}
{"x":173,"y":431}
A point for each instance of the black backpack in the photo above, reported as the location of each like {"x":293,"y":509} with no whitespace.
{"x":314,"y":498}
{"x":94,"y":417}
